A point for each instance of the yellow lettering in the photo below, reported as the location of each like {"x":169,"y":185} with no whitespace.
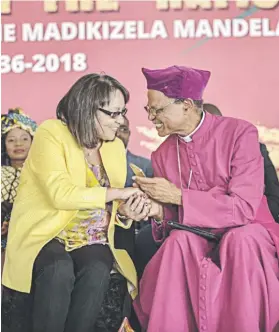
{"x":5,"y":6}
{"x":72,"y":5}
{"x":82,"y":5}
{"x":167,"y":4}
{"x":221,"y":4}
{"x":176,"y":4}
{"x":50,"y":6}
{"x":194,"y":4}
{"x":262,"y":4}
{"x":107,"y":5}
{"x":242,"y":3}
{"x":77,"y":5}
{"x":87,"y":5}
{"x":266,"y":4}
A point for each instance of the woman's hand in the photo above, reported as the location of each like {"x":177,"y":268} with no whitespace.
{"x":122,"y":194}
{"x":159,"y":189}
{"x":126,"y":193}
{"x":156,"y":210}
{"x":137,"y":207}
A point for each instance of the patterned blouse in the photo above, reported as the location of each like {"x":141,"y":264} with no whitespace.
{"x":88,"y":227}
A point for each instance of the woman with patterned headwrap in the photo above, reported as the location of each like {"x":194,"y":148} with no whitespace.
{"x":17,"y":131}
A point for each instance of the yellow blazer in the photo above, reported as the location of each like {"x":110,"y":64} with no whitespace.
{"x":51,"y":191}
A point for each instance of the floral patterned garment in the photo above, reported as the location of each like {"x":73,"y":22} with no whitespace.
{"x":88,"y":227}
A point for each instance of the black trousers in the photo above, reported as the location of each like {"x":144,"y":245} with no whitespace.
{"x":69,"y":287}
{"x":145,"y":249}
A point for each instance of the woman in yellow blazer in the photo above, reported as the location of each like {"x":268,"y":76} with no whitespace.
{"x":61,"y":235}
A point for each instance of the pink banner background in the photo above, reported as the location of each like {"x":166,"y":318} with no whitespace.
{"x":245,"y":72}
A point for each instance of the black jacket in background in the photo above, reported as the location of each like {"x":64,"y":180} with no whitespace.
{"x":125,"y":238}
{"x":271,"y":184}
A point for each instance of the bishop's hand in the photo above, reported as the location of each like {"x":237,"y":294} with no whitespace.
{"x":159,"y":189}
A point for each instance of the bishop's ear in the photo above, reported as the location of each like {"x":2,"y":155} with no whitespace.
{"x":188,"y":104}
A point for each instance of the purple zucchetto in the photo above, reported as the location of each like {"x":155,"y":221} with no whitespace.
{"x":177,"y":81}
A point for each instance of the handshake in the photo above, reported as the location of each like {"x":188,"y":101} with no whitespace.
{"x":147,"y":197}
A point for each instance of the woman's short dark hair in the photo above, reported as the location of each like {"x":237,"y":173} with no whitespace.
{"x":78,"y":108}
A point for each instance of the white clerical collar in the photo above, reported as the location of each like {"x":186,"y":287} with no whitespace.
{"x":188,"y":138}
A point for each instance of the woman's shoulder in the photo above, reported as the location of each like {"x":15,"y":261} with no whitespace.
{"x":55,"y":129}
{"x":52,"y":125}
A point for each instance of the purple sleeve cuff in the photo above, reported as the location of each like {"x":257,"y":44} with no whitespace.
{"x":160,"y":232}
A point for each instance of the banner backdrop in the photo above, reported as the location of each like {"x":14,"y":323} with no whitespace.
{"x":48,"y":45}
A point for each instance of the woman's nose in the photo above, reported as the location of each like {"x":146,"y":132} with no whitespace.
{"x":18,"y":142}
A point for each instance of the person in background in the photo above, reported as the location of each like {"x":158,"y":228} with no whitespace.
{"x":124,"y":134}
{"x":17,"y":131}
{"x":221,"y":272}
{"x":270,"y":177}
{"x":70,"y":198}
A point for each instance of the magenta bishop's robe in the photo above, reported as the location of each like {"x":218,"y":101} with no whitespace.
{"x":190,"y":285}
